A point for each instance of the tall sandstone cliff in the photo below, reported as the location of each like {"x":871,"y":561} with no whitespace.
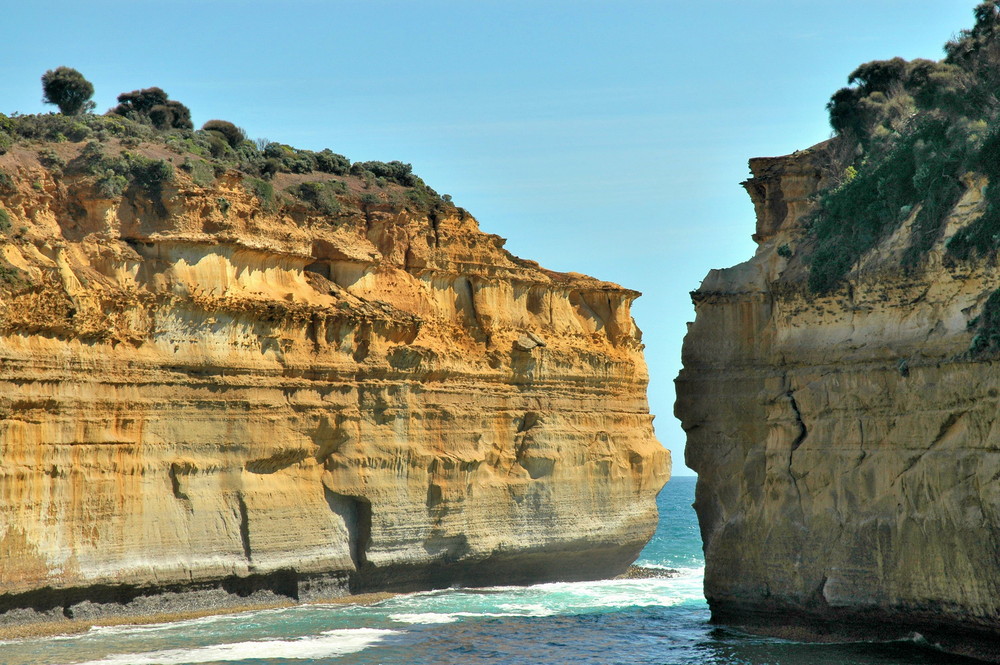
{"x":847,"y":445}
{"x":199,"y":394}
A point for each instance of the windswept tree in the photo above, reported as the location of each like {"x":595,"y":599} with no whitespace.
{"x":66,"y":88}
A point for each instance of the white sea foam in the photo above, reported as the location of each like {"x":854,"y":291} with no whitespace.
{"x":327,"y":644}
{"x":424,"y":617}
{"x":507,"y":610}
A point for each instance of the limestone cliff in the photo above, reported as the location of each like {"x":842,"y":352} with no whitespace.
{"x":204,"y":390}
{"x":847,"y":443}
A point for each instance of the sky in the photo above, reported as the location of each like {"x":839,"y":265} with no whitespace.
{"x":607,"y":138}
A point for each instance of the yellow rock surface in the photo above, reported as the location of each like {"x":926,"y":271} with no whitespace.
{"x":192,"y":392}
{"x":847,"y":444}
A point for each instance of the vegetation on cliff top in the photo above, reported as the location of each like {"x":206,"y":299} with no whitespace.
{"x":149,"y":116}
{"x":913,"y":129}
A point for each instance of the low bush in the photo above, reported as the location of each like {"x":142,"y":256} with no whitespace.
{"x":111,"y":185}
{"x":117,"y":174}
{"x":321,"y":196}
{"x":264,"y":192}
{"x":201,"y":172}
{"x":397,"y":172}
{"x":328,"y":161}
{"x":7,"y":185}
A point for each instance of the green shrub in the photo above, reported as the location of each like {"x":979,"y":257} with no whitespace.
{"x":264,"y":192}
{"x":922,"y":166}
{"x":4,"y":221}
{"x":92,"y":158}
{"x":111,"y":185}
{"x":117,"y":174}
{"x":223,"y":204}
{"x":152,"y":105}
{"x":50,"y":159}
{"x":981,"y":237}
{"x":395,"y":171}
{"x":288,"y":159}
{"x":7,"y":185}
{"x":328,"y":161}
{"x":986,"y":342}
{"x":232,"y":134}
{"x":6,"y":142}
{"x":201,"y":172}
{"x":150,"y":174}
{"x":322,"y":196}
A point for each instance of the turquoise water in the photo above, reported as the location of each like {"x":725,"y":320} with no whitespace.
{"x":653,"y":621}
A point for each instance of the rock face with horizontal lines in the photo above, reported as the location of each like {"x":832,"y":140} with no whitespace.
{"x":204,"y":396}
{"x":847,"y":445}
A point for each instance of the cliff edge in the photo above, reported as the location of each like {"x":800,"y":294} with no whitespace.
{"x":846,"y":442}
{"x":220,"y":389}
{"x":840,"y":389}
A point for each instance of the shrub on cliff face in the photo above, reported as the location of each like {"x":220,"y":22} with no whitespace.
{"x":202,"y":173}
{"x":66,"y":88}
{"x":981,"y":238}
{"x":264,"y":192}
{"x":117,"y":174}
{"x":321,"y":196}
{"x":7,"y":186}
{"x":918,"y":126}
{"x":986,"y":342}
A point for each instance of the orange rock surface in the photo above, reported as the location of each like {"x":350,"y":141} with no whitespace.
{"x":195,"y":391}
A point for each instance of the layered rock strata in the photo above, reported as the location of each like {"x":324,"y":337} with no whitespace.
{"x":202,"y":398}
{"x":847,"y":445}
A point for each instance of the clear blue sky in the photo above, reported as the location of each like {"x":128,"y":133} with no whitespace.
{"x":601,"y":137}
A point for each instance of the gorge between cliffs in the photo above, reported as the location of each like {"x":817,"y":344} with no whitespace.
{"x":218,"y":391}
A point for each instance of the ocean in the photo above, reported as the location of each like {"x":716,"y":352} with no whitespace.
{"x":662,"y":621}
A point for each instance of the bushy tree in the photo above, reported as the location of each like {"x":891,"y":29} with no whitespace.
{"x":152,"y":105}
{"x":330,"y":162}
{"x":233,"y":135}
{"x":66,"y":88}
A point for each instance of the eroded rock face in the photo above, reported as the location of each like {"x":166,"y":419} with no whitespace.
{"x":205,"y":396}
{"x":847,"y":446}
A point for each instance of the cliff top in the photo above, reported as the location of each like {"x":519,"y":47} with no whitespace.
{"x":266,"y":194}
{"x":914,"y":140}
